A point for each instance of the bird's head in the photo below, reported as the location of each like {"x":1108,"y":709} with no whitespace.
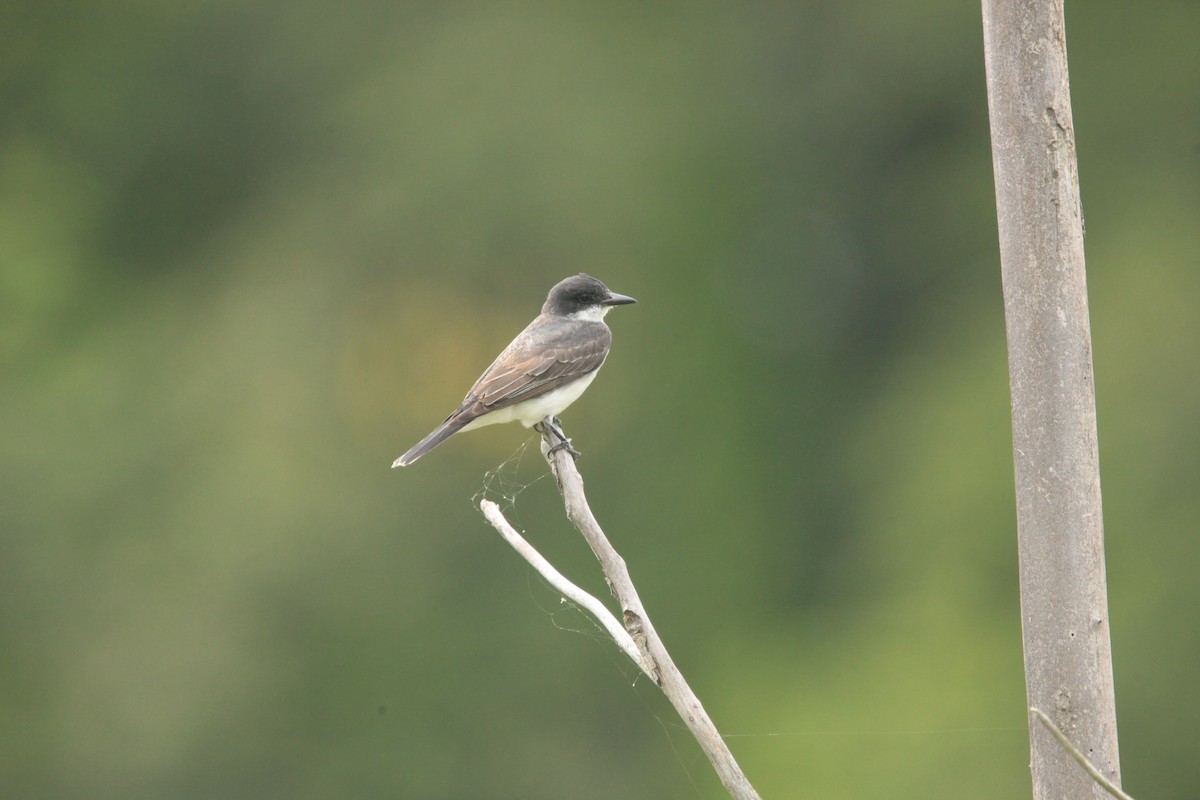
{"x":583,"y":297}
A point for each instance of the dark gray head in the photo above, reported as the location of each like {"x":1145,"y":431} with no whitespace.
{"x":582,"y":296}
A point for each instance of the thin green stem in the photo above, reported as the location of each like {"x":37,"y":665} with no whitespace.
{"x":1088,"y":767}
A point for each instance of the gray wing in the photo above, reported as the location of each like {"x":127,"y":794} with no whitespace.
{"x":545,"y":356}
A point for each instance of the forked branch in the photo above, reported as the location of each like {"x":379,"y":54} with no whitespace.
{"x":563,"y":585}
{"x":648,"y":651}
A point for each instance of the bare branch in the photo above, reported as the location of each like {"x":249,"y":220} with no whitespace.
{"x":562,"y":584}
{"x":637,"y":623}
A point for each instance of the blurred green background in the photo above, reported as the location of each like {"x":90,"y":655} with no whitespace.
{"x":253,"y":252}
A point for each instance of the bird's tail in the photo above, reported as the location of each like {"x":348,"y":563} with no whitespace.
{"x":440,"y":434}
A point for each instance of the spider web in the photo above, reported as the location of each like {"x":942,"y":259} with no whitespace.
{"x":502,"y":484}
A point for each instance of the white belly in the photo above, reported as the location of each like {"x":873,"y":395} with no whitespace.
{"x":531,"y":412}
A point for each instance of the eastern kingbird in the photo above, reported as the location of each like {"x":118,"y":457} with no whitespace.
{"x":543,"y":370}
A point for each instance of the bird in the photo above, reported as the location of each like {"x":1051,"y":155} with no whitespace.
{"x":542,"y":371}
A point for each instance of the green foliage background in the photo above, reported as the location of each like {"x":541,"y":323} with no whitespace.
{"x":250,"y":252}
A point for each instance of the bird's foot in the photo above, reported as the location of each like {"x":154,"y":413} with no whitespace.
{"x":554,"y":426}
{"x":565,"y":444}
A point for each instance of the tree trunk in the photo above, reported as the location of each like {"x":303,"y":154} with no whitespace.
{"x":1064,"y":607}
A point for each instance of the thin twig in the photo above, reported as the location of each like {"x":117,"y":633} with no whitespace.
{"x":1088,"y":767}
{"x":562,"y":584}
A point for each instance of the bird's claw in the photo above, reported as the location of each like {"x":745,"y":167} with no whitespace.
{"x":565,"y":444}
{"x":554,"y":426}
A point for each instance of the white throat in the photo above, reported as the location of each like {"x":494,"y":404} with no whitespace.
{"x":591,"y":313}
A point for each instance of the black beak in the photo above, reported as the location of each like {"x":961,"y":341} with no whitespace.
{"x":615,"y":299}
